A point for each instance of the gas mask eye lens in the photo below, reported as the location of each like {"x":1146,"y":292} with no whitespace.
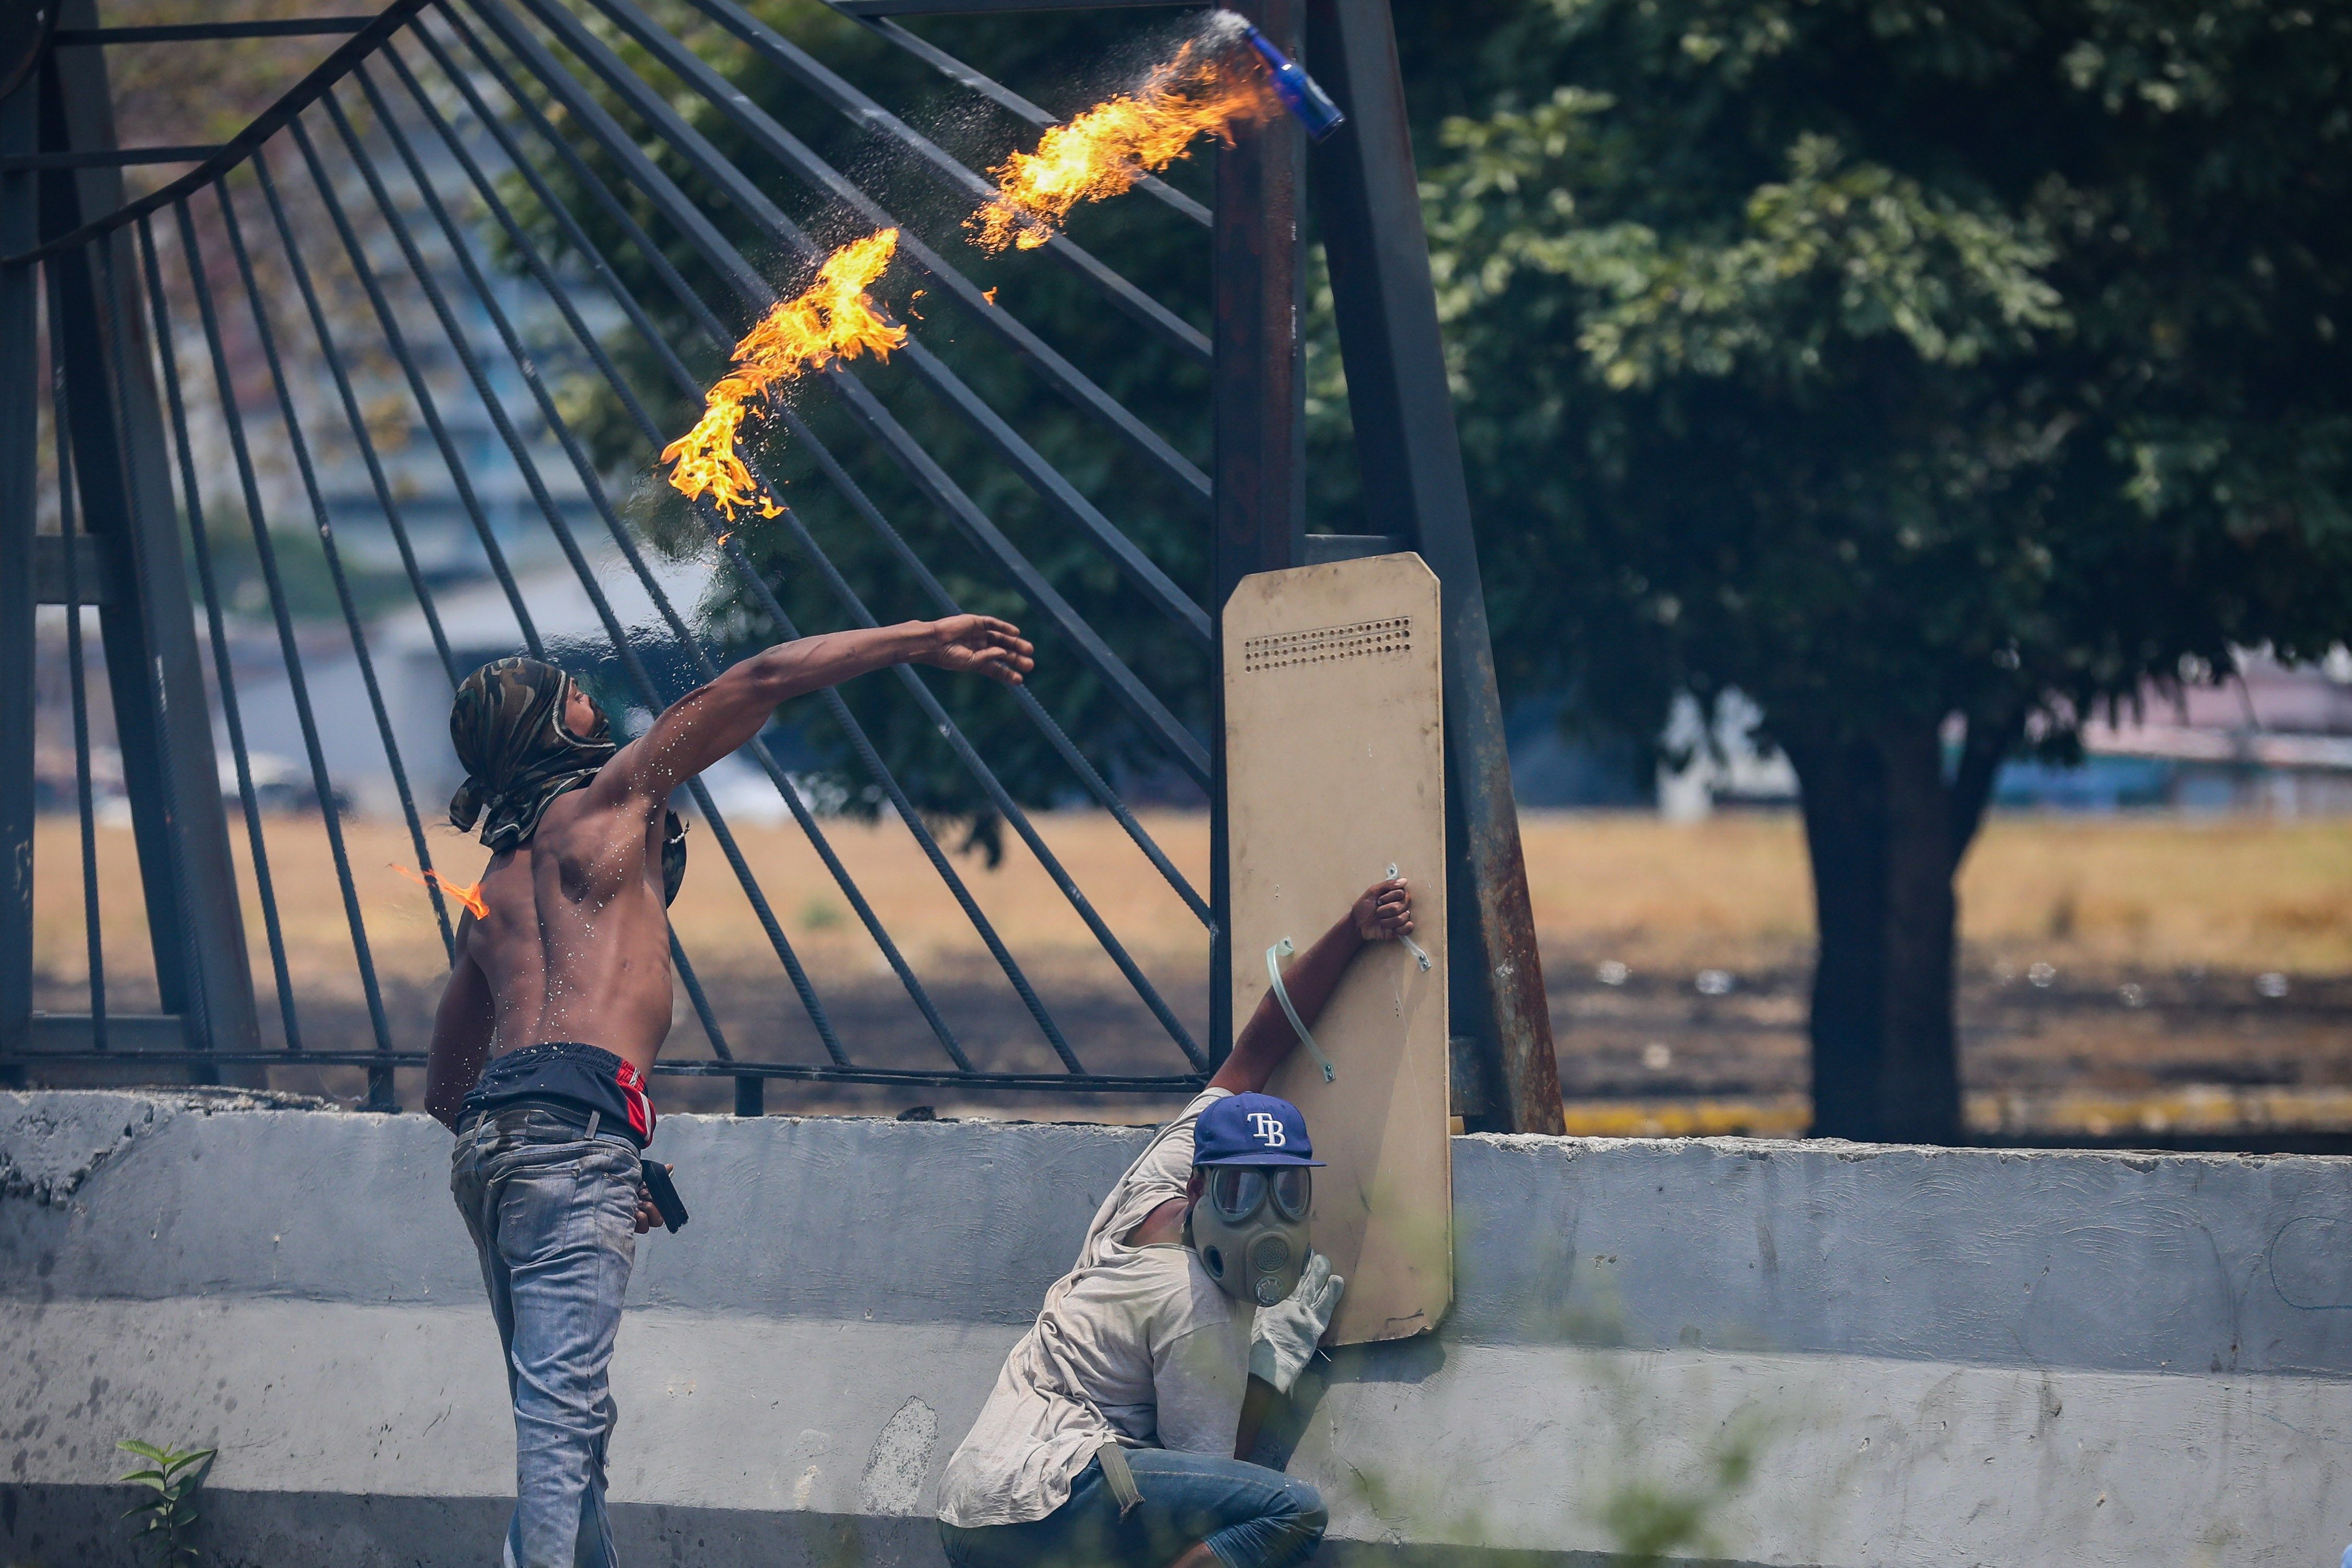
{"x":1236,"y":1192}
{"x":1294,"y":1190}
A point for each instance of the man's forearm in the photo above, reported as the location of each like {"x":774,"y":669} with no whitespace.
{"x":1316,"y":974}
{"x":811,"y":664}
{"x":1268,"y":1037}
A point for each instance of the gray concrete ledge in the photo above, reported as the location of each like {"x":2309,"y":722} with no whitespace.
{"x":2165,"y":1262}
{"x":1929,"y":1358}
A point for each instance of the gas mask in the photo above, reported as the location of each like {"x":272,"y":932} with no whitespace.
{"x":1250,"y":1229}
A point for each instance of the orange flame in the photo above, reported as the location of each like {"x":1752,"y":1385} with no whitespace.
{"x":830,"y":320}
{"x":466,"y":893}
{"x":1108,"y":148}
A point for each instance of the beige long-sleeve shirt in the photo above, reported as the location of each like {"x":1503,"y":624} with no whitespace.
{"x":1135,"y":1345}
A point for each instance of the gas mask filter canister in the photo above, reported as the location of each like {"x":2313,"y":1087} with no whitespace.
{"x":1250,"y":1229}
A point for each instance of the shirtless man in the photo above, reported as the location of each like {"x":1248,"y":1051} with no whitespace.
{"x":563,"y":990}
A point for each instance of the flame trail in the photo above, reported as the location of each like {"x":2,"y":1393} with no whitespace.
{"x":830,"y":320}
{"x":1203,"y":90}
{"x":466,"y":893}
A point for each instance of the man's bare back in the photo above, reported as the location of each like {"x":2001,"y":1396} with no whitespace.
{"x":575,"y":946}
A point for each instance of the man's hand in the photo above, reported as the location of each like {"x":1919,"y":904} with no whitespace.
{"x":1283,"y":1336}
{"x":980,"y":644}
{"x":1384,"y":913}
{"x":648,"y":1216}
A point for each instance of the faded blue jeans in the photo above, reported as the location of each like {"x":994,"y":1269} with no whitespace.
{"x":1251,"y":1516}
{"x":553,"y":1215}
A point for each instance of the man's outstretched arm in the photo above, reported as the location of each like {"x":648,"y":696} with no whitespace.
{"x":1384,"y":912}
{"x":713,"y":721}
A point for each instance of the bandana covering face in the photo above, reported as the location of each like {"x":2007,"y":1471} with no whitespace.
{"x":508,"y":727}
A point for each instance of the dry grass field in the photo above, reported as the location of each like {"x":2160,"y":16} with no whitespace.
{"x":2129,"y":958}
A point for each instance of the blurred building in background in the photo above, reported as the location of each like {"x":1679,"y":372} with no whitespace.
{"x":2272,"y":739}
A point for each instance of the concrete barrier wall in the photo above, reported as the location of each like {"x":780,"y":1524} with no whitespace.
{"x":1822,"y":1353}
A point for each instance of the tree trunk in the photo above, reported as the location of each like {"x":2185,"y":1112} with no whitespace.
{"x":1918,"y":1087}
{"x":1886,"y":829}
{"x":1844,"y":804}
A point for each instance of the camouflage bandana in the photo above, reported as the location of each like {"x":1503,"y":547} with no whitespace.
{"x":508,"y":726}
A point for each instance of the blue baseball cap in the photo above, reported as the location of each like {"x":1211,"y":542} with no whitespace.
{"x":1251,"y":1130}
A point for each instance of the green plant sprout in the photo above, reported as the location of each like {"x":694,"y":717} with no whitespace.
{"x":174,"y":1476}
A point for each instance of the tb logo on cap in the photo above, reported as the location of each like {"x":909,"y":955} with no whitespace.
{"x":1251,"y":1130}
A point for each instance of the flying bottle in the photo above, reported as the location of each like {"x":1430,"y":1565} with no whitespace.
{"x":1309,"y":103}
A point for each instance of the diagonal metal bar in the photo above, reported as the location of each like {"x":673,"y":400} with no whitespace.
{"x":488,"y":192}
{"x":939,"y":717}
{"x":297,"y":685}
{"x":200,"y":541}
{"x":526,"y":365}
{"x":685,"y":967}
{"x":775,"y":610}
{"x":1004,"y":98}
{"x":828,"y":86}
{"x":788,"y":150}
{"x":377,"y":480}
{"x":592,"y":482}
{"x":686,"y":216}
{"x":937,"y":592}
{"x":292,"y":251}
{"x":700,"y":1000}
{"x":61,"y":427}
{"x":687,"y":639}
{"x":428,"y":407}
{"x":1004,"y":803}
{"x":659,"y":341}
{"x":714,"y":166}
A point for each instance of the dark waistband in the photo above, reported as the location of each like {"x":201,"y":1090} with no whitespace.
{"x":586,"y":1079}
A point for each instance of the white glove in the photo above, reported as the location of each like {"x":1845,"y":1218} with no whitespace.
{"x":1284,"y":1334}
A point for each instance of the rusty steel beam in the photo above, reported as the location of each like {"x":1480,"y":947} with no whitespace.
{"x":1369,"y":210}
{"x":1259,"y":472}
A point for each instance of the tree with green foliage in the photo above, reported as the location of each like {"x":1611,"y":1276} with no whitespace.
{"x":1939,"y":373}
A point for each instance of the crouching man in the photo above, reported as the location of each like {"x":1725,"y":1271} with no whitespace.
{"x":563,"y":987}
{"x":1115,"y":1434}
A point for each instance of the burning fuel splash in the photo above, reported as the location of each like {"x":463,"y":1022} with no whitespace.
{"x":466,"y":893}
{"x":1204,"y":91}
{"x":1211,"y":84}
{"x":830,"y":320}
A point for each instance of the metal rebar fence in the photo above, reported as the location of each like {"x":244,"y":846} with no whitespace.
{"x":456,"y":283}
